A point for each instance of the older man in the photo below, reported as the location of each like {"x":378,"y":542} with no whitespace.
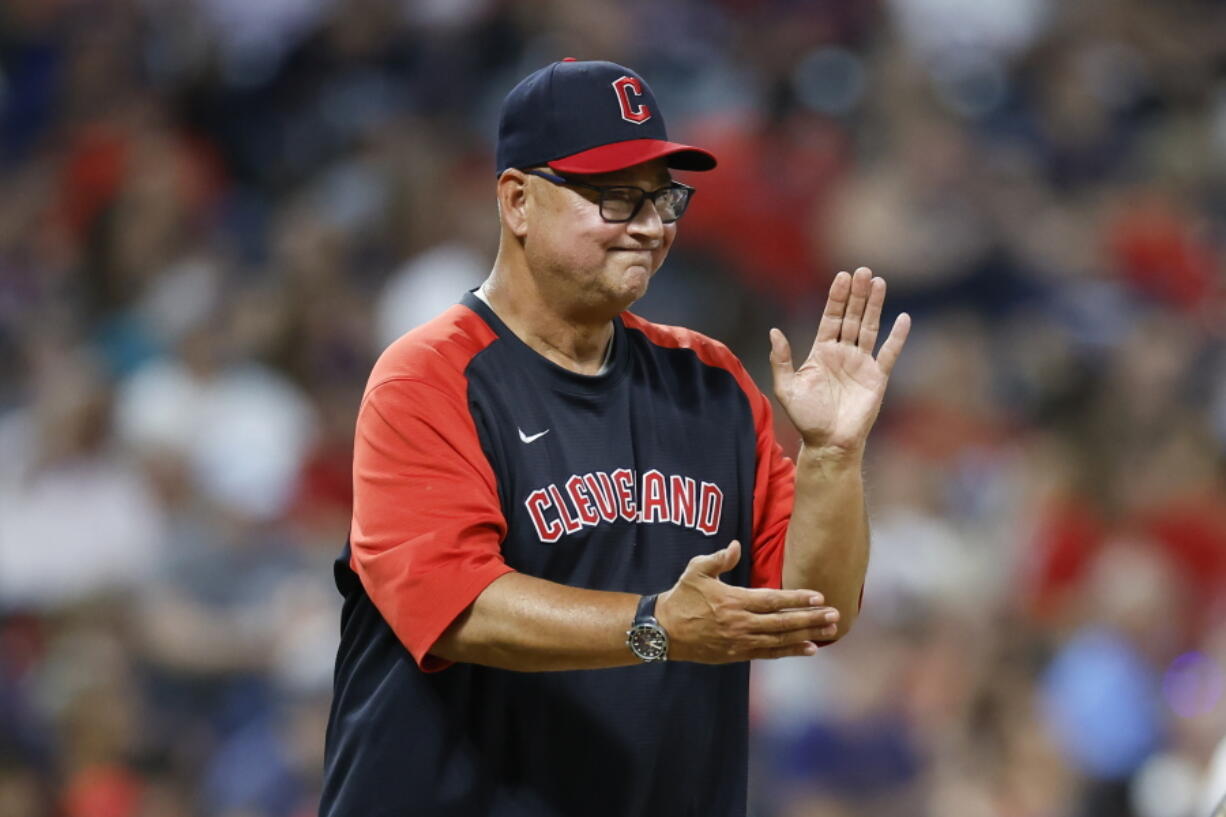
{"x":572,"y":528}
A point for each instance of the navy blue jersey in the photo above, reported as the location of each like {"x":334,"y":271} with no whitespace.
{"x":475,"y":456}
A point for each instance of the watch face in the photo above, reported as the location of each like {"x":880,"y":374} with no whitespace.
{"x":648,"y":641}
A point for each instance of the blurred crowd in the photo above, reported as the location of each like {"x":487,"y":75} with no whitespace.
{"x":214,"y":214}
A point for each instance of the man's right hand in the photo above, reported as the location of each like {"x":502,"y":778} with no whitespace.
{"x":711,"y":622}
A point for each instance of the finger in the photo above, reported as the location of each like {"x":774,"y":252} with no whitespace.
{"x":892,"y":348}
{"x":836,"y":304}
{"x":770,"y":641}
{"x":872,"y":316}
{"x":861,"y":284}
{"x":764,"y":600}
{"x":804,"y":648}
{"x":793,"y":621}
{"x":721,"y":561}
{"x":781,"y":361}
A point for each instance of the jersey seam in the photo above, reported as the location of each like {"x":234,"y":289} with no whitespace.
{"x":481,"y":442}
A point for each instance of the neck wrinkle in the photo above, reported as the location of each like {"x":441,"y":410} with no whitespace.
{"x":581,"y":348}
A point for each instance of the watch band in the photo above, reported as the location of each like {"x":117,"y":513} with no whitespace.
{"x":646,"y":638}
{"x":646,"y":612}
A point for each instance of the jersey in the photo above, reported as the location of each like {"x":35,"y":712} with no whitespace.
{"x":475,"y":456}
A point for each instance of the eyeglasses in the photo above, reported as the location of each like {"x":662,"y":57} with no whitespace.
{"x":622,"y":203}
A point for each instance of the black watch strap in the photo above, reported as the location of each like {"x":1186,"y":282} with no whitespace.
{"x":646,"y":638}
{"x":646,"y":612}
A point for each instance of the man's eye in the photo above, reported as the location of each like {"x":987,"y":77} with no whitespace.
{"x":619,"y":194}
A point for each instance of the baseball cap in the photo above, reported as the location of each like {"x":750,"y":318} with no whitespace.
{"x":587,"y":116}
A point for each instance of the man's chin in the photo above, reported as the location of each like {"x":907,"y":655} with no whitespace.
{"x":636,"y":278}
{"x":633,"y":288}
{"x":618,"y":289}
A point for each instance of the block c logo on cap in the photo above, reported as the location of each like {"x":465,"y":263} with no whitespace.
{"x":635,"y":112}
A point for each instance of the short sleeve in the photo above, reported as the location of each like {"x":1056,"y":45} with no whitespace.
{"x":427,"y":522}
{"x":773,"y":493}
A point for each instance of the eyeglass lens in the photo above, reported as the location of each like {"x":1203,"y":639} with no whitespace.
{"x":622,"y":203}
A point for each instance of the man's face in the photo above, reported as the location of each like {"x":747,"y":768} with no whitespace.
{"x":593,"y":264}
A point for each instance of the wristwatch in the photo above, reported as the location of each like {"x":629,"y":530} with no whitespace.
{"x":646,"y":638}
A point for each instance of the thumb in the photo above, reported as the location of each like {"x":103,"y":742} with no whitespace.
{"x":721,"y":561}
{"x":781,"y":360}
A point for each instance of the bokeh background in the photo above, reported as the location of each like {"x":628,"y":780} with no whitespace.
{"x":214,"y":214}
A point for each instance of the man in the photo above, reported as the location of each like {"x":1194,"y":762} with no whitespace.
{"x":535,"y":465}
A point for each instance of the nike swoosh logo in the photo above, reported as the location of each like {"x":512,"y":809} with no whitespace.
{"x":528,"y":438}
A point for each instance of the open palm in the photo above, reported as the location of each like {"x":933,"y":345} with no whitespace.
{"x":834,"y":397}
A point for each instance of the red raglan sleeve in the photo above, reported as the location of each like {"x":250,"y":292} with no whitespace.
{"x":773,"y":492}
{"x":427,"y":522}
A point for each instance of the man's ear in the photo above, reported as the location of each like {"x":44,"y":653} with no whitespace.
{"x":513,"y":201}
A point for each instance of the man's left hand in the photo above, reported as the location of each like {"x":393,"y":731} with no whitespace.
{"x":834,"y":397}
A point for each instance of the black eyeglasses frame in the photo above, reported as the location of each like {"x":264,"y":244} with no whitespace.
{"x":643,"y":195}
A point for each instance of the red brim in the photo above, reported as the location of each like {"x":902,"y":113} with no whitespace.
{"x":620,"y":155}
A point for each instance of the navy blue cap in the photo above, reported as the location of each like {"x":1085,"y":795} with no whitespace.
{"x":587,"y":117}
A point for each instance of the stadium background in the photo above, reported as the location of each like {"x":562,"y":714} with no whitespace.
{"x":214,"y":214}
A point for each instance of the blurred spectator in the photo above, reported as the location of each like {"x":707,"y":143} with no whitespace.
{"x":77,"y":516}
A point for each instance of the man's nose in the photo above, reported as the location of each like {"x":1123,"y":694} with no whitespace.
{"x":647,"y":221}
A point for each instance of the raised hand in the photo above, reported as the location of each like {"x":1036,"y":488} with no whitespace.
{"x":711,"y":622}
{"x":834,"y":397}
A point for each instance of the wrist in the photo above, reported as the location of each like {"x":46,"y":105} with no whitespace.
{"x":647,"y":638}
{"x":831,"y":458}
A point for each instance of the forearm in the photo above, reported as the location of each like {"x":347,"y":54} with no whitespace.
{"x":827,"y":540}
{"x":523,"y":623}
